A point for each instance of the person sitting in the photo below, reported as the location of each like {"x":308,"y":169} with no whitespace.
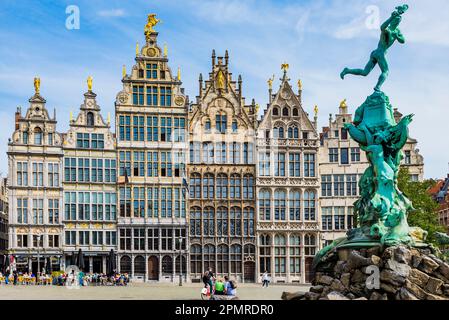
{"x":219,"y":287}
{"x":231,"y":288}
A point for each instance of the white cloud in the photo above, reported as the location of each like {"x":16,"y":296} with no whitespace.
{"x":112,"y":13}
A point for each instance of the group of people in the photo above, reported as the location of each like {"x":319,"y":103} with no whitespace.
{"x":18,"y":278}
{"x":219,"y":286}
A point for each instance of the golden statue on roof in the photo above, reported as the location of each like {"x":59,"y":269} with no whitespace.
{"x":270,"y":82}
{"x":37,"y":85}
{"x":152,"y":21}
{"x":220,"y":80}
{"x":89,"y":83}
{"x":316,"y":110}
{"x":343,"y":105}
{"x":285,"y":66}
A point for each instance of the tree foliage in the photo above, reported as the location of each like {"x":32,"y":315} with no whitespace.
{"x":425,"y":215}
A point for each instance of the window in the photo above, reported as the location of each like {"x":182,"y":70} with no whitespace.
{"x":222,"y":221}
{"x":264,"y":205}
{"x":278,"y":133}
{"x":339,"y":185}
{"x":90,"y":119}
{"x":305,"y":135}
{"x":151,"y":70}
{"x":83,"y":206}
{"x":285,"y":112}
{"x":38,"y":241}
{"x":166,"y":202}
{"x":37,"y":136}
{"x":138,"y":95}
{"x":195,"y":221}
{"x":125,"y":202}
{"x":84,"y":170}
{"x":139,"y":202}
{"x":248,"y":153}
{"x":351,"y":185}
{"x":209,"y":256}
{"x":96,"y":170}
{"x":207,"y":126}
{"x":125,"y":239}
{"x":235,"y":187}
{"x":344,"y":156}
{"x":97,"y":141}
{"x":294,"y":164}
{"x":25,"y":137}
{"x":195,"y":186}
{"x":220,"y":152}
{"x":53,"y":211}
{"x":180,"y":129}
{"x":70,"y":206}
{"x":152,"y":129}
{"x":50,"y":139}
{"x":166,"y":164}
{"x":222,"y":259}
{"x":70,"y":238}
{"x":22,"y":211}
{"x":222,"y":186}
{"x":84,"y":238}
{"x":208,"y":152}
{"x":125,"y":128}
{"x":264,"y":164}
{"x":125,"y":163}
{"x":195,"y":260}
{"x":152,"y":164}
{"x":166,"y":129}
{"x":209,"y":222}
{"x":248,"y":222}
{"x":344,"y":134}
{"x":326,"y":217}
{"x":70,"y":169}
{"x":236,"y":222}
{"x":236,"y":258}
{"x":355,"y":154}
{"x":295,"y":254}
{"x":339,"y":218}
{"x":97,"y":238}
{"x":53,"y":175}
{"x":309,"y":165}
{"x":248,"y":187}
{"x":195,"y":152}
{"x":166,"y":239}
{"x":280,"y":254}
{"x":153,"y":202}
{"x":309,"y":205}
{"x":38,"y":174}
{"x":139,"y":239}
{"x":38,"y":211}
{"x":235,"y":153}
{"x":234,"y":127}
{"x":333,"y":154}
{"x":309,"y":245}
{"x":221,"y":123}
{"x":407,"y":157}
{"x":326,"y":185}
{"x":111,"y":238}
{"x":280,"y":205}
{"x":110,"y":173}
{"x":293,"y":133}
{"x":22,"y":174}
{"x":208,"y":186}
{"x":153,"y":239}
{"x":138,"y":128}
{"x":350,"y":218}
{"x":139,"y":164}
{"x":279,"y":165}
{"x":275,"y":112}
{"x":295,"y":205}
{"x":165,"y":97}
{"x":152,"y":95}
{"x":295,"y":112}
{"x":22,"y":241}
{"x":265,"y":253}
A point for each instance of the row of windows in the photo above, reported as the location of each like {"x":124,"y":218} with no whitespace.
{"x":221,"y":124}
{"x":38,"y":137}
{"x":292,"y":133}
{"x":339,"y":185}
{"x":223,"y":222}
{"x":152,"y":128}
{"x":90,"y":170}
{"x":222,"y":152}
{"x":37,"y":241}
{"x":153,"y":96}
{"x":334,"y":218}
{"x":90,"y":140}
{"x":140,"y":265}
{"x":90,"y":206}
{"x":222,"y":259}
{"x":39,"y":214}
{"x":282,"y":208}
{"x":287,"y":164}
{"x":152,"y":202}
{"x":37,"y":174}
{"x":285,"y":112}
{"x":141,"y":239}
{"x":152,"y":163}
{"x":96,"y":238}
{"x":221,"y":187}
{"x":344,"y":155}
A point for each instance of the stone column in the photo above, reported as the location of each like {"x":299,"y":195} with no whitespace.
{"x":104,"y":268}
{"x":91,"y":264}
{"x":146,"y":269}
{"x":303,"y":261}
{"x":160,"y":267}
{"x":287,"y":258}
{"x":174,"y":267}
{"x":132,"y":266}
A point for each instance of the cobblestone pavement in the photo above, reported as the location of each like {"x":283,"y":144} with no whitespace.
{"x":139,"y":291}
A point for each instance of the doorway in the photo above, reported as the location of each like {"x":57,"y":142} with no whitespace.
{"x":153,"y":268}
{"x":250,"y":272}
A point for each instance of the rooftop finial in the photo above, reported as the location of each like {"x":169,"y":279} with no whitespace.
{"x":89,"y":83}
{"x":137,"y":49}
{"x":124,"y":71}
{"x":299,"y":84}
{"x":151,"y":22}
{"x":316,"y":110}
{"x":37,"y":85}
{"x":179,"y":74}
{"x":165,"y":50}
{"x":285,"y":67}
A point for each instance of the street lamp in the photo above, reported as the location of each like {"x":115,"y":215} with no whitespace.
{"x":180,"y":261}
{"x":38,"y":253}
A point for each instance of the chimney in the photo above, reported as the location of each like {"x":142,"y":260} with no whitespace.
{"x":18,"y":116}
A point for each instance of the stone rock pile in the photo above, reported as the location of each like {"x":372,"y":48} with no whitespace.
{"x":397,"y":273}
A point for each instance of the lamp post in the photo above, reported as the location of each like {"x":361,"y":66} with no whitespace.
{"x":180,"y":261}
{"x":38,"y":254}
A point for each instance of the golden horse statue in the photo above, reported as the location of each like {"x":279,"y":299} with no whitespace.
{"x":152,"y":21}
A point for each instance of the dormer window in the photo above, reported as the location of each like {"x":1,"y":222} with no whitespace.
{"x":50,"y":139}
{"x":275,"y":112}
{"x":151,"y":70}
{"x":295,"y":112}
{"x":221,"y":123}
{"x":37,"y":136}
{"x":285,"y":112}
{"x":25,"y":137}
{"x":207,"y":126}
{"x":234,"y":126}
{"x":90,"y":119}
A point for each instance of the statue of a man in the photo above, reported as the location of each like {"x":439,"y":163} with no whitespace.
{"x":389,"y":34}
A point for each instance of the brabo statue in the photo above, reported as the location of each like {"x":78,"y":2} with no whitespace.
{"x":390,"y":33}
{"x":382,"y":208}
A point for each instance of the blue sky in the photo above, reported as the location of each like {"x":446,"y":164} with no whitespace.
{"x":316,"y":37}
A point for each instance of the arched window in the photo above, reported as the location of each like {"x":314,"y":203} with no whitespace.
{"x":222,"y":221}
{"x":25,"y":137}
{"x":295,"y":112}
{"x":209,"y":222}
{"x":275,"y":111}
{"x":236,"y":258}
{"x":309,"y":245}
{"x":236,"y":222}
{"x":222,"y":186}
{"x":195,"y":186}
{"x":208,"y":186}
{"x":37,"y":136}
{"x":195,"y":259}
{"x":249,"y":250}
{"x":280,"y":255}
{"x":265,"y":253}
{"x":295,"y":254}
{"x":139,"y":266}
{"x":293,"y":133}
{"x":167,"y":265}
{"x":264,"y":205}
{"x":235,"y":191}
{"x":278,"y":133}
{"x":125,"y":264}
{"x":209,"y":257}
{"x":248,"y":221}
{"x":207,"y":126}
{"x":248,"y":187}
{"x":90,"y":119}
{"x":285,"y":112}
{"x":279,"y":205}
{"x":295,"y":205}
{"x":195,"y":221}
{"x":235,"y":126}
{"x":222,"y":259}
{"x":290,"y":132}
{"x":309,"y":205}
